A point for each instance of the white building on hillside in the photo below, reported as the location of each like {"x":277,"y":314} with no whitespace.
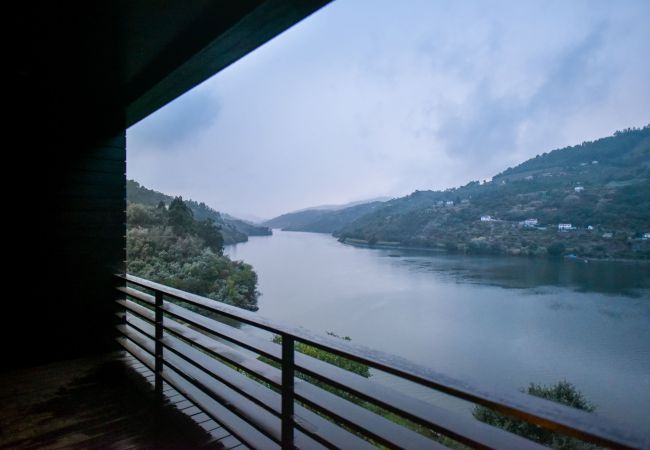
{"x":646,"y":236}
{"x":530,"y":222}
{"x":579,"y":188}
{"x":564,"y":226}
{"x":486,"y":219}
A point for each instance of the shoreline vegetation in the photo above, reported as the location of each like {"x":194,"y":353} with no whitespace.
{"x":397,"y":246}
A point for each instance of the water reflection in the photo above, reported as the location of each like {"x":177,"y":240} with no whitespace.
{"x":618,"y":278}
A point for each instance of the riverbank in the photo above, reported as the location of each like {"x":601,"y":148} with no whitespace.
{"x":387,"y":246}
{"x":397,"y":246}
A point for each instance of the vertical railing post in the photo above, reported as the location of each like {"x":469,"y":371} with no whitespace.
{"x":287,"y":391}
{"x":159,"y":346}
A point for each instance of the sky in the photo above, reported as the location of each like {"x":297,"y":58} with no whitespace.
{"x":378,"y":98}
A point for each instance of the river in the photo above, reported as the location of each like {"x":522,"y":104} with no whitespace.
{"x":497,"y":321}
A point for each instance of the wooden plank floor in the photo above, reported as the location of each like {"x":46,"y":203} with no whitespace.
{"x":102,"y":402}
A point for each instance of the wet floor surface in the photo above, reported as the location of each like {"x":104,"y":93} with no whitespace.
{"x":103,"y":402}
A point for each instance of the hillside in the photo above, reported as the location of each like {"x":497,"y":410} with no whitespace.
{"x":233,"y":230}
{"x":328,"y":220}
{"x":171,"y":246}
{"x":600,"y":188}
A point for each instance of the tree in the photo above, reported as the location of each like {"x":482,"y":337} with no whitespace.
{"x":181,"y":218}
{"x":556,"y":249}
{"x":561,"y":392}
{"x":211,"y":235}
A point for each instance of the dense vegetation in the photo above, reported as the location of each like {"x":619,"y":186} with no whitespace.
{"x":601,"y":188}
{"x":561,"y":392}
{"x":233,"y":230}
{"x":169,"y":245}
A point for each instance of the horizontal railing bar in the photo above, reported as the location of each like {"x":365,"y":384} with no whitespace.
{"x":252,"y":414}
{"x":326,"y":432}
{"x":225,"y":353}
{"x":232,"y":312}
{"x":550,"y":415}
{"x":237,"y":426}
{"x":141,"y":326}
{"x":464,"y":430}
{"x":265,"y":348}
{"x":135,"y":351}
{"x":469,"y":433}
{"x":246,"y":387}
{"x":134,"y":293}
{"x":138,"y":310}
{"x":309,"y":393}
{"x":255,"y":392}
{"x":365,"y":421}
{"x":140,"y":339}
{"x":310,"y":423}
{"x":257,"y":417}
{"x":147,"y":345}
{"x":197,"y":378}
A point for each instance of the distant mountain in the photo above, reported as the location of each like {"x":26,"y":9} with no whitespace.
{"x":233,"y":230}
{"x":600,"y":188}
{"x":344,"y":206}
{"x":328,"y":219}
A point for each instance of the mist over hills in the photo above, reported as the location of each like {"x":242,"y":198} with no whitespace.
{"x":599,"y":190}
{"x":324,"y":219}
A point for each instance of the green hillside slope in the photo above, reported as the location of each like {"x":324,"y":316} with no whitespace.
{"x":600,"y":188}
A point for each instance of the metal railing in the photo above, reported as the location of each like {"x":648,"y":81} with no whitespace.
{"x":269,"y":395}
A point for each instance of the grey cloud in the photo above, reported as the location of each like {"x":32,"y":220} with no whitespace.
{"x":415,"y":95}
{"x":174,"y":123}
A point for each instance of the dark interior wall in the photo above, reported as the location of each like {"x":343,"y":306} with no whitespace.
{"x":65,"y":184}
{"x":90,"y":227}
{"x":70,"y":240}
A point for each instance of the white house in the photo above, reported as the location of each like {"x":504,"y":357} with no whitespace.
{"x":564,"y":226}
{"x":590,"y":227}
{"x":449,"y":203}
{"x":530,"y":222}
{"x":579,"y":188}
{"x":486,"y":219}
{"x":646,"y":236}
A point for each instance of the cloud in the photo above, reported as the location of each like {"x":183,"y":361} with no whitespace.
{"x":175,"y":123}
{"x":371,"y":98}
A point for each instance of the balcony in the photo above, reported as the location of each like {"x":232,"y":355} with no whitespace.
{"x":79,"y":77}
{"x":246,"y":374}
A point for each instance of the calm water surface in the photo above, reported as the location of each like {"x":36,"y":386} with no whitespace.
{"x":502,"y":322}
